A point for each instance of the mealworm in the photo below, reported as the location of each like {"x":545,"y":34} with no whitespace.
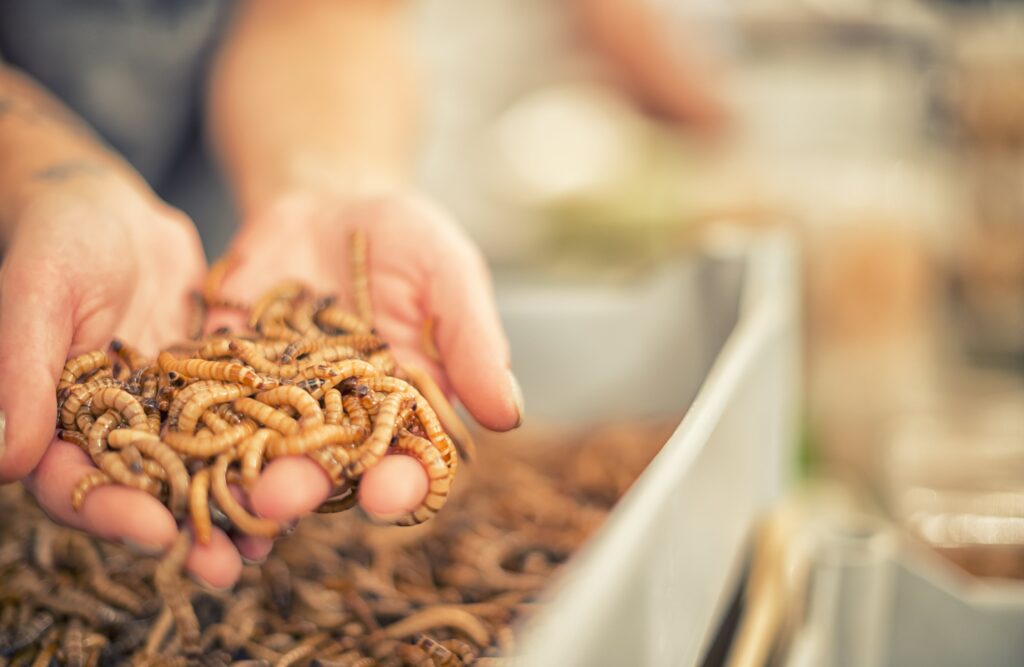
{"x":450,"y":420}
{"x":200,"y":447}
{"x":314,"y":438}
{"x":338,"y":321}
{"x":267,"y":415}
{"x":150,"y":445}
{"x":332,"y":407}
{"x":72,"y":644}
{"x":80,"y":365}
{"x":132,"y":458}
{"x":252,"y":450}
{"x":168,"y":582}
{"x":182,"y":397}
{"x":438,"y":652}
{"x":202,"y":369}
{"x":376,"y":445}
{"x":132,"y":358}
{"x":278,"y":331}
{"x":112,"y":464}
{"x":333,"y":461}
{"x":76,"y":602}
{"x":251,"y":354}
{"x":75,"y":438}
{"x":440,"y":616}
{"x":215,"y":349}
{"x":362,"y":343}
{"x":87,"y":483}
{"x":438,"y":473}
{"x":199,"y":506}
{"x":355,"y":411}
{"x":302,"y":650}
{"x":383,"y":361}
{"x":78,"y":395}
{"x":189,"y":415}
{"x":246,"y":522}
{"x":98,"y":432}
{"x":214,"y":421}
{"x":85,"y":553}
{"x":125,"y":404}
{"x":307,"y":407}
{"x":284,"y":291}
{"x":300,"y":318}
{"x":333,"y":353}
{"x":30,"y":632}
{"x":414,"y":656}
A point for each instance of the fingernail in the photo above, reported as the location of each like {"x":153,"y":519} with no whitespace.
{"x":254,"y":561}
{"x":3,"y":432}
{"x":517,"y":397}
{"x":142,"y":549}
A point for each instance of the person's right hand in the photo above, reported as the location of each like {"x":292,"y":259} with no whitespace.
{"x":91,"y":257}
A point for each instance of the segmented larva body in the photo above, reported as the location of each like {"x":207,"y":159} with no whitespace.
{"x":199,"y":506}
{"x":115,"y":398}
{"x":314,"y":438}
{"x":333,"y":460}
{"x":357,"y":414}
{"x":185,"y":395}
{"x":112,"y":464}
{"x":290,"y":395}
{"x":334,"y":318}
{"x":203,"y":447}
{"x":197,"y":405}
{"x":362,"y":343}
{"x":333,"y":410}
{"x":151,"y":446}
{"x":80,"y":365}
{"x":167,"y":580}
{"x":202,"y":369}
{"x":438,"y":473}
{"x":247,"y":523}
{"x":252,"y":450}
{"x":91,"y":480}
{"x":375,"y":446}
{"x":438,"y":402}
{"x":282,"y":292}
{"x":132,"y":358}
{"x":78,"y":395}
{"x":267,"y":415}
{"x":98,"y":432}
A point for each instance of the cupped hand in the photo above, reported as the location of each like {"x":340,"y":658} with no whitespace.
{"x":422,"y":269}
{"x":85,"y":262}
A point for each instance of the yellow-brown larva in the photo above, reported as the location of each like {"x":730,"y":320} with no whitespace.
{"x":246,"y":522}
{"x":203,"y":369}
{"x":438,"y":473}
{"x":290,"y":395}
{"x":80,"y":394}
{"x":112,"y":464}
{"x":267,"y":415}
{"x":333,"y":410}
{"x":376,"y":445}
{"x":285,"y":291}
{"x":197,"y":405}
{"x":114,"y":398}
{"x":200,"y":447}
{"x":199,"y":506}
{"x":167,"y":579}
{"x":450,"y":420}
{"x":80,"y":365}
{"x":357,"y":414}
{"x":151,"y":446}
{"x":337,"y":320}
{"x":252,"y":451}
{"x":362,"y":343}
{"x":88,"y":482}
{"x":314,"y":438}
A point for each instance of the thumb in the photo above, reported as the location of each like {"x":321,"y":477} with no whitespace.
{"x":35,"y":334}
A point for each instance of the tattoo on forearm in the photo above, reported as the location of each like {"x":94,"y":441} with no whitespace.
{"x":67,"y":170}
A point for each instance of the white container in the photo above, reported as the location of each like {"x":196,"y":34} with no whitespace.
{"x":714,"y":338}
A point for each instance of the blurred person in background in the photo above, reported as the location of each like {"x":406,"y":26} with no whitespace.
{"x":311,"y":109}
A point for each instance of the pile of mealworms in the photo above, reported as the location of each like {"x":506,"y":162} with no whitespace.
{"x":307,"y":378}
{"x":339,"y":592}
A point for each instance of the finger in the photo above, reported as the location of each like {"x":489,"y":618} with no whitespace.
{"x":216,"y":564}
{"x":290,"y":487}
{"x":472,"y":343}
{"x":253,"y":549}
{"x":112,"y":512}
{"x":395,"y":486}
{"x":35,"y":334}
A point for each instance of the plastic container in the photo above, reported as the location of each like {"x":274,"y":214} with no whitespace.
{"x":714,"y":340}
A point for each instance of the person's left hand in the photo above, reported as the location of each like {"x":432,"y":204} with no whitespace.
{"x":420,"y":266}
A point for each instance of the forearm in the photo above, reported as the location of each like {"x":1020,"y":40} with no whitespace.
{"x":318,"y":95}
{"x":43,"y":142}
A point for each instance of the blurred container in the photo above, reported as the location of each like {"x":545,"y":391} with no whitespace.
{"x":714,"y":338}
